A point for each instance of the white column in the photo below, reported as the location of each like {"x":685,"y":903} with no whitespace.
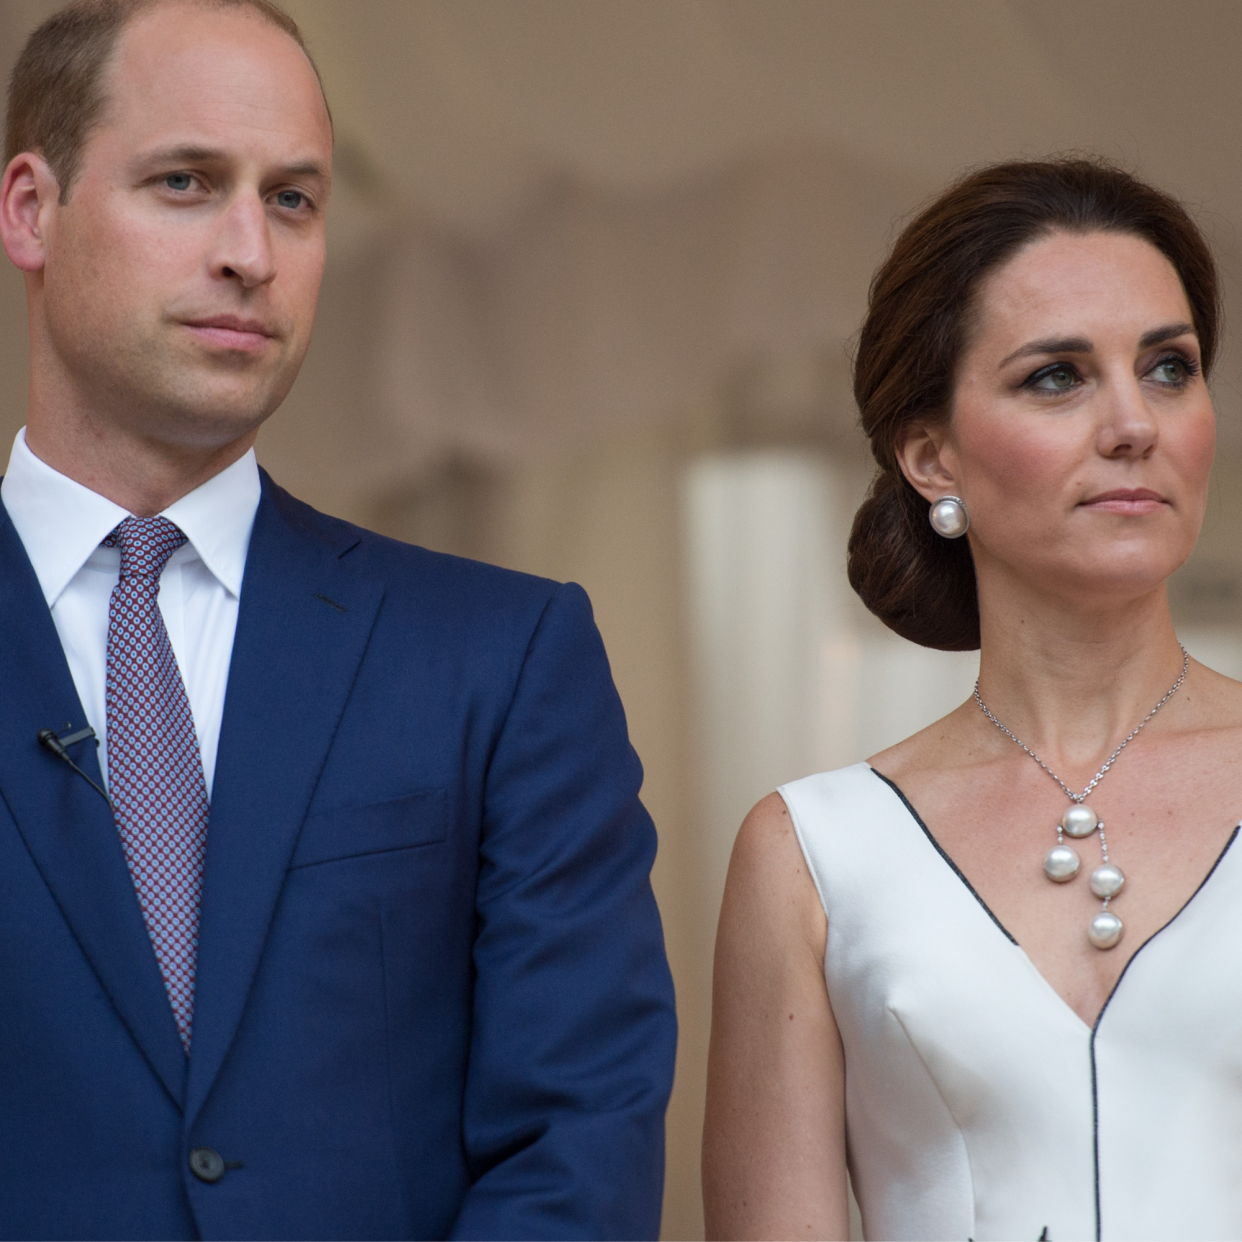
{"x":766,"y":583}
{"x":790,"y":678}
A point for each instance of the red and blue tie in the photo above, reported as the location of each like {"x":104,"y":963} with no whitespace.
{"x":155,"y":772}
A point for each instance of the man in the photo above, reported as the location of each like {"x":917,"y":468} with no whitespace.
{"x":339,"y":922}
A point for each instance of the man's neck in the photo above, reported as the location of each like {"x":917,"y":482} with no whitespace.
{"x":142,"y":476}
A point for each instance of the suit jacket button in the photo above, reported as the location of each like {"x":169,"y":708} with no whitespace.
{"x":206,"y":1164}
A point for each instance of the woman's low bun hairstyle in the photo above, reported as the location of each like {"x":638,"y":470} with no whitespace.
{"x":917,"y":325}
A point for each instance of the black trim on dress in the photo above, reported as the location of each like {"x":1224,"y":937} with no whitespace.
{"x":1095,"y":1099}
{"x":918,"y":819}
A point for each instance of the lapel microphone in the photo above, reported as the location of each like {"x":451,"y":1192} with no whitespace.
{"x":58,"y":747}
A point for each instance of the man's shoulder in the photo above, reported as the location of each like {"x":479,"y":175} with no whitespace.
{"x":417,"y":574}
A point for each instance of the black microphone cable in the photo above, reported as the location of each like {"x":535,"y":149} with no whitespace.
{"x":58,"y":747}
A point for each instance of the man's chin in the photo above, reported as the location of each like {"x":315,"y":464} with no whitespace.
{"x":211,"y":417}
{"x":220,"y":393}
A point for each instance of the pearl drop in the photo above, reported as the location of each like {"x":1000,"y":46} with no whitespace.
{"x":1061,"y":863}
{"x":1079,"y":820}
{"x":1107,"y":880}
{"x":1105,"y":930}
{"x":948,"y":517}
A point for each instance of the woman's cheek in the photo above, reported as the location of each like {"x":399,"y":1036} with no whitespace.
{"x":1190,"y":444}
{"x":1009,"y":460}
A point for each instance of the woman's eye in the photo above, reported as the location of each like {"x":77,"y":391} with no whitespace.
{"x":179,"y":181}
{"x":1055,"y":379}
{"x":291,"y":200}
{"x":1171,"y":371}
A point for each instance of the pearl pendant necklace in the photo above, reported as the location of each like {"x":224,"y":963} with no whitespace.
{"x":1062,"y":862}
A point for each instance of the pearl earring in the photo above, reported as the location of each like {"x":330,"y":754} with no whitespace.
{"x":949,"y":518}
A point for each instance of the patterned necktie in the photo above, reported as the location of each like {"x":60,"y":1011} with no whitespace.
{"x":155,"y":773}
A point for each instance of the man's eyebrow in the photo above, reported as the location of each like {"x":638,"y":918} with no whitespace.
{"x":1052,"y":345}
{"x":183,"y":154}
{"x":307,"y":169}
{"x":190,"y":154}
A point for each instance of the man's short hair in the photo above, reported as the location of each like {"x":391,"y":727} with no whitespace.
{"x":56,"y":94}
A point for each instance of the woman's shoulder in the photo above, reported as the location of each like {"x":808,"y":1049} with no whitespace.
{"x":837,"y":781}
{"x":800,"y":809}
{"x":864,"y":789}
{"x":1210,"y":699}
{"x":792,"y":811}
{"x":839,"y":805}
{"x":945,"y":744}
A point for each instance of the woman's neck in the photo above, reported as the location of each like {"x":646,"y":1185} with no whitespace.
{"x":1072,"y":681}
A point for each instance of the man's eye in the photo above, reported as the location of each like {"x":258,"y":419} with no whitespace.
{"x":1055,"y":379}
{"x":179,"y":181}
{"x":291,"y":200}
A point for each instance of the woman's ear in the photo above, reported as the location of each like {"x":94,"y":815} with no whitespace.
{"x":922,"y":457}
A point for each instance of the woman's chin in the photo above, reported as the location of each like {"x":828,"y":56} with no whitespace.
{"x":1111,"y":585}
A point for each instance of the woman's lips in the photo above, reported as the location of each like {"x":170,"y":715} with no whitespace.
{"x":1127,"y":500}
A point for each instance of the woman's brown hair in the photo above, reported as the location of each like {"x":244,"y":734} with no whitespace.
{"x":918,"y":320}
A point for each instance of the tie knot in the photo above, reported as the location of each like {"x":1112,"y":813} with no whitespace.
{"x":146,"y":544}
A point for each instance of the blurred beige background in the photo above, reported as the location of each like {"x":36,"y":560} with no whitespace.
{"x":595,"y":269}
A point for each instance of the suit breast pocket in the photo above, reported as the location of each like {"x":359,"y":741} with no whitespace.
{"x":355,"y":831}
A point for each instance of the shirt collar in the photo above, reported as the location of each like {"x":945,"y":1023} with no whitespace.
{"x":217,"y":517}
{"x":61,"y":523}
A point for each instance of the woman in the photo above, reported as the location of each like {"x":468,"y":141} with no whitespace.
{"x":938,"y":965}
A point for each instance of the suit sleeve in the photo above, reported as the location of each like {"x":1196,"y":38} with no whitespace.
{"x":571,"y":1058}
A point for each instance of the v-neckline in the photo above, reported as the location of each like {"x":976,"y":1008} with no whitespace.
{"x":1090,"y":1028}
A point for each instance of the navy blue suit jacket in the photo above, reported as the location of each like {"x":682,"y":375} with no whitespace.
{"x":432,"y":997}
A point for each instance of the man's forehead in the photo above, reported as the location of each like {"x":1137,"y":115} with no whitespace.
{"x":213,"y":67}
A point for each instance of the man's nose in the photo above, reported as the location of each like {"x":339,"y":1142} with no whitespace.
{"x":243,"y":249}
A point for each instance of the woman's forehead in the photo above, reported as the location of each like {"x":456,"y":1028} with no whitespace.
{"x":1078,"y":285}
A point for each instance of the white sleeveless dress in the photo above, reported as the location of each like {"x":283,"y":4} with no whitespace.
{"x":978,"y":1104}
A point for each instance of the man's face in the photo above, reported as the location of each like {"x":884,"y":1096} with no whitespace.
{"x":180,"y":278}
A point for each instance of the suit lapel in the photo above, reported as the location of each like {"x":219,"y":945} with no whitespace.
{"x":302,"y":628}
{"x":67,"y":827}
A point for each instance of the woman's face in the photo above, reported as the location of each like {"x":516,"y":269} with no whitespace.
{"x":1081,"y":432}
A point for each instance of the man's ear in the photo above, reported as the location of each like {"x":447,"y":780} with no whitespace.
{"x":927,"y":461}
{"x":29,"y":193}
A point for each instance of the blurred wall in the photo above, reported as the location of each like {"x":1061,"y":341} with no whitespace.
{"x":590,"y":262}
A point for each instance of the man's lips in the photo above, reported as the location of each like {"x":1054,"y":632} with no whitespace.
{"x":1134,"y":500}
{"x":231,"y":332}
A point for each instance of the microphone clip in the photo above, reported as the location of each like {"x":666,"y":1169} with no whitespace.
{"x":58,"y":746}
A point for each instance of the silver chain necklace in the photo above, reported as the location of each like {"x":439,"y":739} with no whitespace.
{"x":1062,"y":861}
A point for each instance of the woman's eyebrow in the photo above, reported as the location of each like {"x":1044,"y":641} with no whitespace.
{"x":1056,"y":345}
{"x":1080,"y":344}
{"x":1157,"y":336}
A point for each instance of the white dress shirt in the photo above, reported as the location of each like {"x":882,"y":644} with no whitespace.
{"x":62,"y":524}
